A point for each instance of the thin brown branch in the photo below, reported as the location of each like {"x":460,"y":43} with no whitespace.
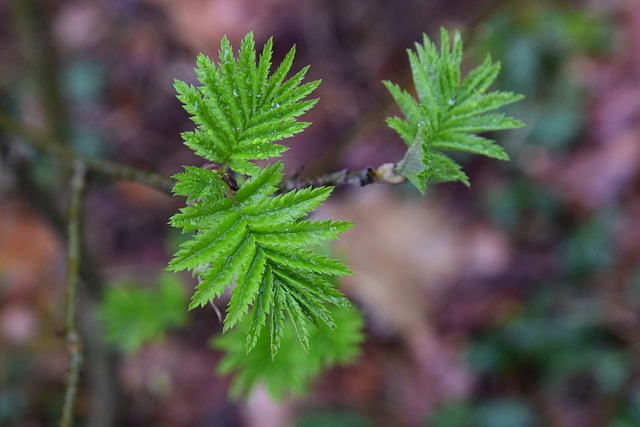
{"x":383,"y":174}
{"x":74,"y":342}
{"x":44,"y":142}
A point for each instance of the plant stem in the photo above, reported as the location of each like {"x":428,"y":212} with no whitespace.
{"x":383,"y":174}
{"x":39,"y":140}
{"x":46,"y":143}
{"x":74,"y":342}
{"x":100,"y":364}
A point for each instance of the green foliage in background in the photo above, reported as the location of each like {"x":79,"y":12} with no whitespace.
{"x":132,"y":316}
{"x":336,"y":418}
{"x":537,"y":46}
{"x":555,"y":352}
{"x":502,"y":412}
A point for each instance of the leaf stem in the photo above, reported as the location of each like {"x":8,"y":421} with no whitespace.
{"x":74,"y":342}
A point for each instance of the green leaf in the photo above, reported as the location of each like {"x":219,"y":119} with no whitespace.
{"x":448,"y":114}
{"x":258,"y":245}
{"x":240,"y":111}
{"x":133,"y":316}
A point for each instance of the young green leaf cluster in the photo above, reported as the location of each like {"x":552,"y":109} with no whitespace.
{"x":247,"y":237}
{"x":258,"y":240}
{"x":449,"y":112}
{"x":240,"y":109}
{"x":254,"y":239}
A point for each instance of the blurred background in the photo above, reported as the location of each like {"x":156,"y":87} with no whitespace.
{"x":511,"y":304}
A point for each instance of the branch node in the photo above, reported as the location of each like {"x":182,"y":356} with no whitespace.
{"x":386,"y":173}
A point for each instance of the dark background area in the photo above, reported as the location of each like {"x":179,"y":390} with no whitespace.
{"x":513,"y":303}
